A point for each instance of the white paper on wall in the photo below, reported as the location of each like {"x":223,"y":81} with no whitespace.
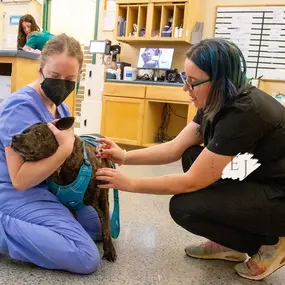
{"x":260,"y":34}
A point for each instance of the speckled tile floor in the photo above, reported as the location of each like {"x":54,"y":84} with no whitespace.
{"x":150,"y":251}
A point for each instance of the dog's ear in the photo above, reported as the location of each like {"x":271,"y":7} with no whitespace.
{"x":64,"y":123}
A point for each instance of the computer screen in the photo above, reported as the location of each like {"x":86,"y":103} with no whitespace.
{"x":97,"y":47}
{"x":155,"y":58}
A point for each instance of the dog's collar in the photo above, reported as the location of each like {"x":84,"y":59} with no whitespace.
{"x":72,"y":195}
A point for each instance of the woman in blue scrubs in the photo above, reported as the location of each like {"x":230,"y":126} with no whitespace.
{"x":35,"y":227}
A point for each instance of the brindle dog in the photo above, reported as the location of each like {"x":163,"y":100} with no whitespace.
{"x":38,"y":142}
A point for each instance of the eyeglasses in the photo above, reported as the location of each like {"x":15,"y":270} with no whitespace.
{"x":192,"y":85}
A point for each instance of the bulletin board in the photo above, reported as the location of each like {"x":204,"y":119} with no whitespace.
{"x":259,"y":31}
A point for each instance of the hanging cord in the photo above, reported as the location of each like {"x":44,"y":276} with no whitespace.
{"x":161,"y":135}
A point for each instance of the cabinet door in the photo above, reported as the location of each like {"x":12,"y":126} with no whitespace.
{"x":122,"y":119}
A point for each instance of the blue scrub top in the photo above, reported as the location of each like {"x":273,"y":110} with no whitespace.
{"x":18,"y":112}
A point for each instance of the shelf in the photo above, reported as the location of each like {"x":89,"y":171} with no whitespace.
{"x":153,"y":19}
{"x":152,"y":40}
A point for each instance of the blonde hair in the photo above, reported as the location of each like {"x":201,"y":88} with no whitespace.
{"x":62,"y":44}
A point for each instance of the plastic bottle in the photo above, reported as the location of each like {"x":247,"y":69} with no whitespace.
{"x":176,"y":32}
{"x":118,"y":72}
{"x":180,"y":32}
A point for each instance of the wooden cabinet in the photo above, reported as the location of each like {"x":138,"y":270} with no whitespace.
{"x":25,"y":70}
{"x":134,"y":113}
{"x":153,"y":16}
{"x":122,"y":119}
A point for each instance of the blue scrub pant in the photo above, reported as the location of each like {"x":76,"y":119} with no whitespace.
{"x":44,"y":232}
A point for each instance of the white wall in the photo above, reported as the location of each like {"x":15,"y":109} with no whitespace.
{"x":19,"y":9}
{"x":73,"y":17}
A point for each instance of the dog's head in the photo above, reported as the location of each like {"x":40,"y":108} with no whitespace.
{"x":38,"y":141}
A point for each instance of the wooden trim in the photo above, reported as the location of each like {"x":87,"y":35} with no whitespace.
{"x":252,"y":5}
{"x":273,"y":80}
{"x":214,"y":32}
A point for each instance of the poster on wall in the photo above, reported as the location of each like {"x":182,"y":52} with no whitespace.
{"x":259,"y":33}
{"x":14,"y":20}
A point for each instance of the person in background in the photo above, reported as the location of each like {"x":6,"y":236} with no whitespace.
{"x":27,"y":24}
{"x":36,"y":41}
{"x":239,"y":126}
{"x":34,"y":226}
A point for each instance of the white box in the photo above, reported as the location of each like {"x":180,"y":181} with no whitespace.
{"x":90,"y":120}
{"x":5,"y":87}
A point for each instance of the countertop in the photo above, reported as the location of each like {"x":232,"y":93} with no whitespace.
{"x":161,"y":83}
{"x":18,"y":53}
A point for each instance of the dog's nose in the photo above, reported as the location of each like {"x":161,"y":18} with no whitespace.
{"x":16,"y":138}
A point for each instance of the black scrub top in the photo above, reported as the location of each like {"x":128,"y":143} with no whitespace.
{"x":253,"y":123}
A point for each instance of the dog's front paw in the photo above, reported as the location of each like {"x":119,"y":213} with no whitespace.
{"x":110,"y":255}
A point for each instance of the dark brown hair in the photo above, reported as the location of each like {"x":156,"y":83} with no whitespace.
{"x":62,"y":44}
{"x":22,"y":37}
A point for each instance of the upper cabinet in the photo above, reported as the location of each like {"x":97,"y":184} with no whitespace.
{"x":156,"y":20}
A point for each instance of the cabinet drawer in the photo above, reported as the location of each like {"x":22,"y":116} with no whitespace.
{"x":124,"y":90}
{"x":167,"y":93}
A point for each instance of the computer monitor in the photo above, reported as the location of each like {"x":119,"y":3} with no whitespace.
{"x":97,"y":47}
{"x":155,"y":58}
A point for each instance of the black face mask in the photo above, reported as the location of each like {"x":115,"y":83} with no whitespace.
{"x":57,"y":90}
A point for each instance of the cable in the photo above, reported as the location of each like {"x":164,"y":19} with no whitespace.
{"x":161,"y":135}
{"x":176,"y":114}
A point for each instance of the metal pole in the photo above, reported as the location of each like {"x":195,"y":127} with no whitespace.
{"x":96,"y":27}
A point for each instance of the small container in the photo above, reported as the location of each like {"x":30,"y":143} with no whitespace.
{"x":180,"y":32}
{"x":130,"y":73}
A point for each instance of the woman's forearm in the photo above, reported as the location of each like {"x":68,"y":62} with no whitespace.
{"x":33,"y":173}
{"x":154,"y":155}
{"x":164,"y":185}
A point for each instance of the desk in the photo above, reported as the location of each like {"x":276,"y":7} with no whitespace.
{"x":23,"y":67}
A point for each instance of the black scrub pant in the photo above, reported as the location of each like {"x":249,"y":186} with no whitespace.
{"x":236,"y":214}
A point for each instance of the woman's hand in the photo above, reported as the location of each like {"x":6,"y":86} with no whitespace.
{"x":64,"y":138}
{"x":115,"y":180}
{"x":110,"y":150}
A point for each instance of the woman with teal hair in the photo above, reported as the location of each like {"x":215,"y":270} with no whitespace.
{"x":232,"y":191}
